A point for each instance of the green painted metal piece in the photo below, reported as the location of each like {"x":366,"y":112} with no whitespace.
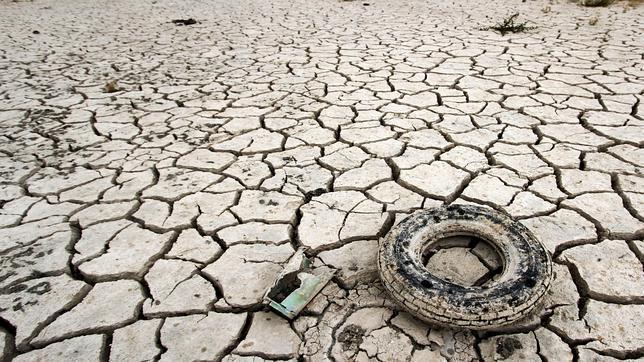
{"x":301,"y":282}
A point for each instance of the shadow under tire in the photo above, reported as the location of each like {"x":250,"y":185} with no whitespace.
{"x":525,"y":279}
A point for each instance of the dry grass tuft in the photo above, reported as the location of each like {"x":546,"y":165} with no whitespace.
{"x":509,"y":25}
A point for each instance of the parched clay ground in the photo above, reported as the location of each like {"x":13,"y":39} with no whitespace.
{"x":146,"y":223}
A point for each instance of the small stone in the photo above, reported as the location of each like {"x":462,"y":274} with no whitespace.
{"x":271,"y":337}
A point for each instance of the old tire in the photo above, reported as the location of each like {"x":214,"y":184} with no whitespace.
{"x":526,"y":275}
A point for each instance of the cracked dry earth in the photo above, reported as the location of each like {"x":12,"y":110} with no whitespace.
{"x":144,"y":221}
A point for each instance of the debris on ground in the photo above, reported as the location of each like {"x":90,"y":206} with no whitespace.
{"x":297,"y":285}
{"x":351,"y":337}
{"x":508,"y":25}
{"x":596,"y":2}
{"x":112,"y":86}
{"x":182,"y":22}
{"x":441,"y":293}
{"x":593,"y":20}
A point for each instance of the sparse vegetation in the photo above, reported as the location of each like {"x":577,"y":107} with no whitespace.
{"x":112,"y":86}
{"x":596,"y":2}
{"x":604,"y":3}
{"x":510,"y":25}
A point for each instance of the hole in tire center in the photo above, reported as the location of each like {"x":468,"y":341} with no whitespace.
{"x":464,"y":260}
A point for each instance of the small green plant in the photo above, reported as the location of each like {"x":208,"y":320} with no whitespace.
{"x":509,"y":25}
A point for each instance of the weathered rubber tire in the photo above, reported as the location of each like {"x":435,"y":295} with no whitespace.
{"x":526,"y":275}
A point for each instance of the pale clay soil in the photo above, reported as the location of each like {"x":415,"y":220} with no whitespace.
{"x":146,"y":223}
